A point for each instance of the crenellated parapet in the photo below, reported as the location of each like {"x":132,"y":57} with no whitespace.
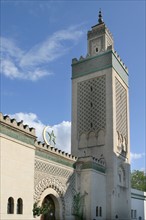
{"x":100,"y":160}
{"x":16,"y":130}
{"x":103,"y":60}
{"x":90,"y":162}
{"x":110,"y":48}
{"x":99,"y":30}
{"x":7,"y":121}
{"x":49,"y":150}
{"x":21,"y":132}
{"x":120,"y":61}
{"x":75,"y":60}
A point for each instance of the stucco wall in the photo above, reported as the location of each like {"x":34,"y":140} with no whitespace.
{"x":138,"y":204}
{"x":17,"y":176}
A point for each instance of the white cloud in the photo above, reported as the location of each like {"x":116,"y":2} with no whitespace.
{"x":135,"y":156}
{"x":63,"y":134}
{"x":52,"y":48}
{"x":62,"y":131}
{"x":17,"y":63}
{"x":9,"y":48}
{"x":9,"y":68}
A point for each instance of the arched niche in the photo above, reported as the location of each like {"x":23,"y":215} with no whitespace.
{"x":83,"y":141}
{"x":92,"y":139}
{"x":121,"y":176}
{"x":101,"y":137}
{"x":125,"y":144}
{"x":117,"y":139}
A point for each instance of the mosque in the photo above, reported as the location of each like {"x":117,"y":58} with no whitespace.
{"x":39,"y":181}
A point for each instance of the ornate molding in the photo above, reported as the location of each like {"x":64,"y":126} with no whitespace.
{"x":49,"y":182}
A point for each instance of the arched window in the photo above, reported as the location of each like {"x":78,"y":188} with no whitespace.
{"x":96,"y":210}
{"x":100,"y":211}
{"x":19,"y":206}
{"x":120,"y":177}
{"x":10,"y":206}
{"x":96,"y":49}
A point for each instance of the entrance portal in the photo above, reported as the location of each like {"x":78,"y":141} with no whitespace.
{"x":49,"y":204}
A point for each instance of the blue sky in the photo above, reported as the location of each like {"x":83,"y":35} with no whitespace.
{"x":39,"y":40}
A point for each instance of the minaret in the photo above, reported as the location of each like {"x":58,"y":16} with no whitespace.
{"x":99,"y":38}
{"x":100,"y":123}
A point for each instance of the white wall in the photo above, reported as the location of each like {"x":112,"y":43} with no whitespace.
{"x":17,"y":172}
{"x":138,"y":204}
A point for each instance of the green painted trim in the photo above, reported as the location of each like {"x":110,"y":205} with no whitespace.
{"x":138,"y":196}
{"x":16,"y":135}
{"x":91,"y":58}
{"x":115,"y":64}
{"x":55,"y":158}
{"x":100,"y":55}
{"x":94,"y":166}
{"x":92,"y":71}
{"x":99,"y":69}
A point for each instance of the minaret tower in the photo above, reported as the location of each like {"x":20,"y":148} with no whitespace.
{"x":100,"y":126}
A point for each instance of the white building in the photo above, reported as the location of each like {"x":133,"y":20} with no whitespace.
{"x":93,"y":184}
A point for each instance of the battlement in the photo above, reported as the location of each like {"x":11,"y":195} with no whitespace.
{"x":6,"y":120}
{"x":42,"y":146}
{"x":120,"y":61}
{"x":90,"y":162}
{"x":110,"y":48}
{"x":99,"y":29}
{"x":100,"y":161}
{"x":88,"y":56}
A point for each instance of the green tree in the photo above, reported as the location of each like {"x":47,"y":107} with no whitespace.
{"x":138,"y":180}
{"x":39,"y":210}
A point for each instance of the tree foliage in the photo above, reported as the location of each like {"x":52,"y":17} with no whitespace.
{"x":78,"y":201}
{"x":138,"y":180}
{"x":39,"y":210}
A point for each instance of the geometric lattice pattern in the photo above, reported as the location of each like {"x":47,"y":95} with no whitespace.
{"x":58,"y":178}
{"x":51,"y":169}
{"x":91,"y":105}
{"x":121,"y":109}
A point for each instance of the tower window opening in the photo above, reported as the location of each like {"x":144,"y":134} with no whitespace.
{"x":91,"y":104}
{"x":100,"y":211}
{"x":10,"y":206}
{"x":91,"y":124}
{"x":96,"y":49}
{"x":120,"y":178}
{"x":19,"y":206}
{"x":91,"y":88}
{"x":97,"y":211}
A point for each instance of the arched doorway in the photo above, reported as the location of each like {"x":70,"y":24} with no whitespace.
{"x":49,"y":206}
{"x":57,"y":200}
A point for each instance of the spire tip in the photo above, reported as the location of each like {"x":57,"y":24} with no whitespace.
{"x":100,"y":20}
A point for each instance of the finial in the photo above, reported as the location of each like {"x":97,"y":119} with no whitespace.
{"x":100,"y":20}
